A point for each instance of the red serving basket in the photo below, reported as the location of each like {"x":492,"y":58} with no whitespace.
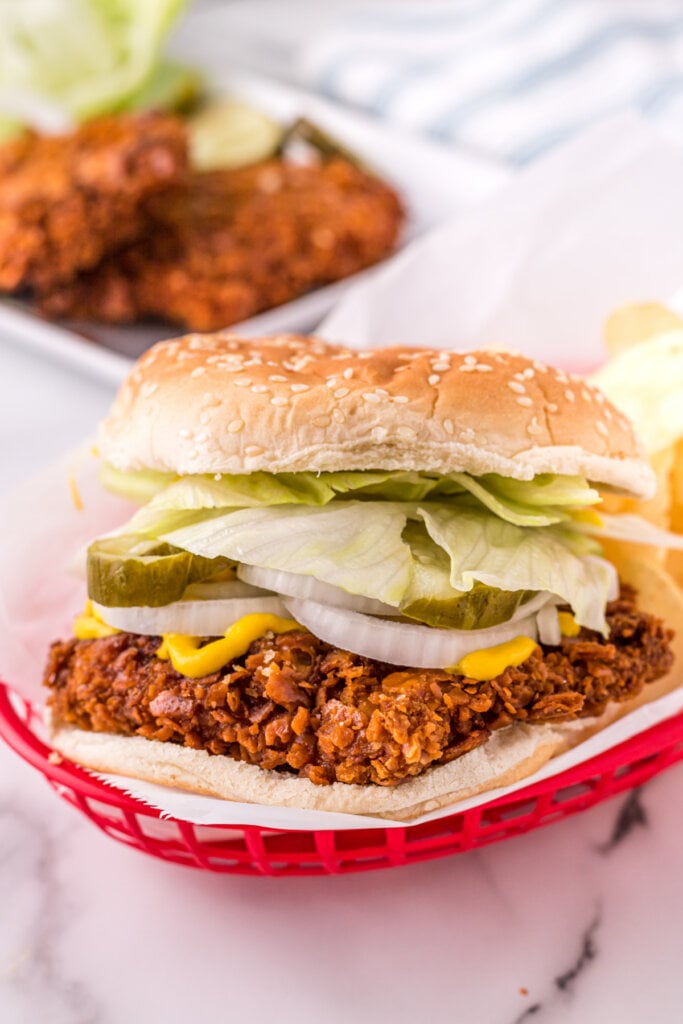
{"x":251,"y":850}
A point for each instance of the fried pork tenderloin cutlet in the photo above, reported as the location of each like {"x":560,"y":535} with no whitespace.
{"x":66,"y":201}
{"x":296,"y":704}
{"x":237,"y":242}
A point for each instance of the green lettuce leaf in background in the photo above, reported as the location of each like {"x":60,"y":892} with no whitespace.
{"x":86,"y":57}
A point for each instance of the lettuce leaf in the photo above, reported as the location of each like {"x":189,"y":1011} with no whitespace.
{"x":543,"y":501}
{"x":483,"y":548}
{"x":355,"y":546}
{"x":83,"y":56}
{"x":374,"y":549}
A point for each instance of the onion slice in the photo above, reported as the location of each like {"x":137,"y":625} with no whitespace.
{"x":401,"y":643}
{"x":549,"y":625}
{"x":191,"y":618}
{"x":296,"y":585}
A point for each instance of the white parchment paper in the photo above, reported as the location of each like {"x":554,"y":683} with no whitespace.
{"x":537,"y":268}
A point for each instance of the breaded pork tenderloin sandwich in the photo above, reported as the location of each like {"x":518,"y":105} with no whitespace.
{"x":359,"y":581}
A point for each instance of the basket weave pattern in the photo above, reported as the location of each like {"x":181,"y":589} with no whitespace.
{"x":252,"y":850}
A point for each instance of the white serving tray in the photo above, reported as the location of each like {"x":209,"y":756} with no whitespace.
{"x":435,"y":183}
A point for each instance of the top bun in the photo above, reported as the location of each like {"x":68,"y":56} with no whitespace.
{"x":217,"y":403}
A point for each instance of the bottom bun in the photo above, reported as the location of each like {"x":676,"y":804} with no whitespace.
{"x":511,"y":754}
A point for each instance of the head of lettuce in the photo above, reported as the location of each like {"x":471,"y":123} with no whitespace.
{"x":65,"y":61}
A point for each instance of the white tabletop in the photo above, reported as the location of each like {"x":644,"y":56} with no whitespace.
{"x":578,"y":922}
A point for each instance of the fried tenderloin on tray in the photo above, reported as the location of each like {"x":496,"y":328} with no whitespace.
{"x":230,"y":243}
{"x":68,"y":200}
{"x":363,"y":581}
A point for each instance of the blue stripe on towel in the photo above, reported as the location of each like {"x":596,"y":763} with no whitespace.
{"x":404,"y":78}
{"x":449,"y":126}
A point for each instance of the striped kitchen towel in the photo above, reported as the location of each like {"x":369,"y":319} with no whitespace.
{"x":503,"y":78}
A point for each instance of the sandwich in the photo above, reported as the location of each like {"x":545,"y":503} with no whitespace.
{"x":369,"y":581}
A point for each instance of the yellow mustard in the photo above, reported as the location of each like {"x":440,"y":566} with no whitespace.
{"x":568,"y":624}
{"x":588,"y":516}
{"x":193,"y":661}
{"x":492,"y":661}
{"x":89,"y":626}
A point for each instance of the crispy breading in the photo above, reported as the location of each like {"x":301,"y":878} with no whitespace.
{"x":68,"y":200}
{"x":236,"y":242}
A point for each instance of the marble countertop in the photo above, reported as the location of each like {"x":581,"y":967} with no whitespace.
{"x":578,"y":922}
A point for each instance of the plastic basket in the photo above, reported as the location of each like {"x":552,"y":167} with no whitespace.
{"x":250,"y":850}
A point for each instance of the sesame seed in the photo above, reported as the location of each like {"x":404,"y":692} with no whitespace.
{"x":441,"y":366}
{"x":483,"y":368}
{"x":198,"y":371}
{"x":607,"y":412}
{"x":534,"y":427}
{"x":586,"y":395}
{"x":401,"y":399}
{"x":516,"y":386}
{"x":235,"y":426}
{"x":378,"y":433}
{"x":528,"y":373}
{"x":471,"y":360}
{"x":193,"y":454}
{"x":258,"y":389}
{"x":382,"y":392}
{"x":569,"y":395}
{"x":341,"y":392}
{"x":448,"y":426}
{"x":599,"y":397}
{"x":519,"y":376}
{"x":185,"y":433}
{"x":348,"y":372}
{"x":561,"y":377}
{"x":201,"y":437}
{"x":243,"y":382}
{"x":433,"y":379}
{"x":298,"y":387}
{"x":148,"y":388}
{"x":551,"y":407}
{"x":524,"y":400}
{"x":278,"y":378}
{"x":338,"y":415}
{"x":331,"y":382}
{"x":601,"y":428}
{"x":407,"y":433}
{"x":321,"y":421}
{"x":253,"y":449}
{"x":370,"y":396}
{"x":467,"y":367}
{"x":279,"y":400}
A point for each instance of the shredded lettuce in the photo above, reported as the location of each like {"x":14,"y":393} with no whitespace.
{"x":355,"y":546}
{"x":544,"y":501}
{"x":373,"y":549}
{"x":86,"y":56}
{"x":485,"y":549}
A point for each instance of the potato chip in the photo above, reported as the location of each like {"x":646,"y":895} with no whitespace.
{"x":674,"y":560}
{"x":646,"y":382}
{"x":631,"y":324}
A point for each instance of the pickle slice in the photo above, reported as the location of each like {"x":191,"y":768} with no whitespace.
{"x":130,"y":570}
{"x":478,"y":608}
{"x":433,"y":601}
{"x":229,"y":133}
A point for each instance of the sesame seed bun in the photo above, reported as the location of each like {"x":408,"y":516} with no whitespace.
{"x":217,"y":403}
